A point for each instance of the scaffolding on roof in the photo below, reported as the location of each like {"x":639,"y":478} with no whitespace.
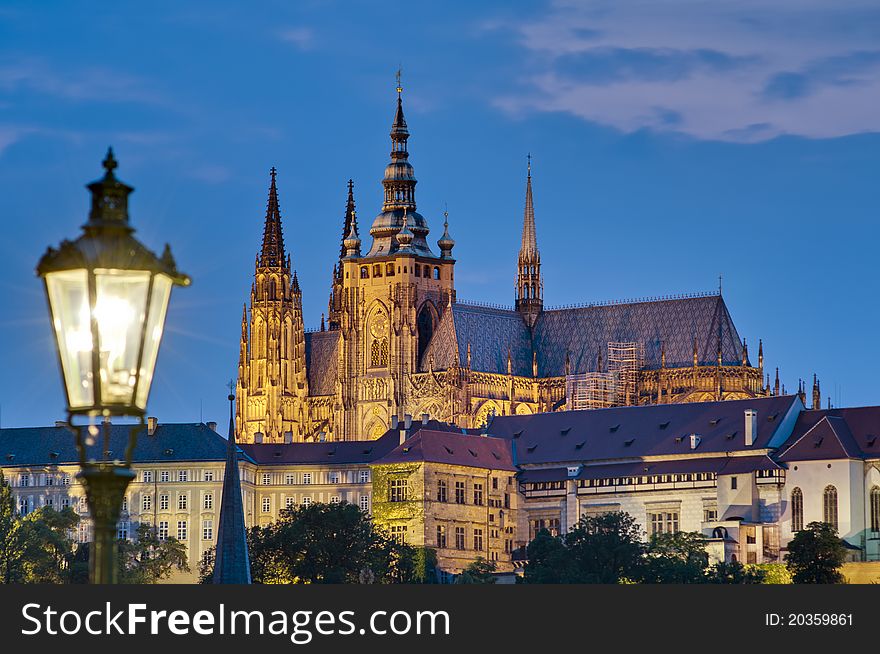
{"x":591,"y":390}
{"x":625,"y":359}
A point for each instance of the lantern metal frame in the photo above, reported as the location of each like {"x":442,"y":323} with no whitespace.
{"x":106,"y":244}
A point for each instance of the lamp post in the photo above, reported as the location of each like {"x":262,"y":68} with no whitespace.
{"x":107,"y":295}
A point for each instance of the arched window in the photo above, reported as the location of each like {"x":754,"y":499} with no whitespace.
{"x":436,"y":272}
{"x":377,"y":270}
{"x":875,"y":509}
{"x":379,"y":353}
{"x":417,"y":270}
{"x":427,"y":271}
{"x":425,"y":326}
{"x":389,"y":269}
{"x":829,"y":506}
{"x":365,"y":272}
{"x":797,"y":510}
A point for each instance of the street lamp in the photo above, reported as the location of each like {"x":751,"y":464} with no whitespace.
{"x":108,"y":295}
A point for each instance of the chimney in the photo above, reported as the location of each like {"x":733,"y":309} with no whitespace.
{"x":425,"y":418}
{"x":751,"y":426}
{"x":695,"y":441}
{"x":152,"y":423}
{"x":258,"y":437}
{"x":407,"y":421}
{"x":402,"y":435}
{"x":288,"y":437}
{"x":394,"y":420}
{"x":212,"y":426}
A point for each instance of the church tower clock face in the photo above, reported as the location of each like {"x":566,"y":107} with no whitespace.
{"x":379,"y":325}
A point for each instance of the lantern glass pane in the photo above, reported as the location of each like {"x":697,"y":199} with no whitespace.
{"x":153,"y":336}
{"x":68,"y":292}
{"x":120,"y":308}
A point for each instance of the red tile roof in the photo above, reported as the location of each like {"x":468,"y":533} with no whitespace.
{"x":454,"y":449}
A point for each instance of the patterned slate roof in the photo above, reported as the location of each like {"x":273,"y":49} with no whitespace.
{"x":322,"y":351}
{"x":834,"y":434}
{"x":639,"y":431}
{"x":35,"y":446}
{"x":584,"y":333}
{"x":334,"y":452}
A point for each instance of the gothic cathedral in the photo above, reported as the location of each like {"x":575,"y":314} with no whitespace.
{"x":398,"y":343}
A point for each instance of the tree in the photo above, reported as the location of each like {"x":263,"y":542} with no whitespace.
{"x":675,"y":558}
{"x":13,"y":550}
{"x":146,"y":558}
{"x":605,"y":548}
{"x":815,"y":555}
{"x":548,"y":561}
{"x":479,"y":571}
{"x":734,"y":572}
{"x":326,"y":544}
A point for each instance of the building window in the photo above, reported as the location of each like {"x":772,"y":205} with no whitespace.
{"x":334,"y":499}
{"x":181,"y":530}
{"x":307,"y":478}
{"x":733,"y":483}
{"x":441,"y":533}
{"x":389,"y":269}
{"x":334,"y":477}
{"x":148,"y":476}
{"x":550,"y":524}
{"x":459,"y":538}
{"x":290,"y":479}
{"x":146,"y":502}
{"x":875,"y":509}
{"x":494,"y":483}
{"x":163,"y":476}
{"x":289,"y":502}
{"x":307,"y":501}
{"x":23,"y":506}
{"x":209,"y":475}
{"x":663,"y":522}
{"x":267,"y":479}
{"x":163,"y":502}
{"x":506,"y":500}
{"x":459,"y":492}
{"x":207,"y":530}
{"x":24,"y":481}
{"x":364,"y":476}
{"x":65,"y":502}
{"x":829,"y":513}
{"x":183,"y":475}
{"x":397,"y":490}
{"x":365,"y":272}
{"x":122,"y":531}
{"x":797,"y":510}
{"x":478,"y":494}
{"x":163,"y":530}
{"x":478,"y":540}
{"x":417,"y":270}
{"x":441,"y":491}
{"x":65,"y":479}
{"x":377,"y":270}
{"x":208,"y":501}
{"x":182,"y":501}
{"x":379,"y":353}
{"x":398,"y":533}
{"x":710,"y":515}
{"x":365,"y":503}
{"x":50,"y":480}
{"x":436,"y":273}
{"x":267,"y":505}
{"x":124,"y":504}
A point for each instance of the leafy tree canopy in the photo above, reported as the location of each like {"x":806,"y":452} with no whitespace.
{"x":815,"y":555}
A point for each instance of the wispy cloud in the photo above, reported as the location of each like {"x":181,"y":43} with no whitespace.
{"x":741,"y":71}
{"x":301,"y":37}
{"x":87,"y":84}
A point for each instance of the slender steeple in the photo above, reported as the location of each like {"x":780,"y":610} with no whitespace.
{"x":350,"y":223}
{"x":272,"y":252}
{"x":529,"y":283}
{"x":231,"y":561}
{"x":446,"y":242}
{"x":399,"y":184}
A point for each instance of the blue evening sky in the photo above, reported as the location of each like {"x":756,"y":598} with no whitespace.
{"x":671,"y":142}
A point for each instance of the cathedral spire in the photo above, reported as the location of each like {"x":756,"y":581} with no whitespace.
{"x":349,"y":227}
{"x":231,"y":560}
{"x":529,"y":283}
{"x":272,"y":252}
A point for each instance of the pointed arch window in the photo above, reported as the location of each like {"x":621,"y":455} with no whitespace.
{"x":829,"y":507}
{"x":797,"y":510}
{"x":378,"y":335}
{"x":875,"y":509}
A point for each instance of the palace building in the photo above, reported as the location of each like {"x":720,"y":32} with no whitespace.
{"x":398,"y":341}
